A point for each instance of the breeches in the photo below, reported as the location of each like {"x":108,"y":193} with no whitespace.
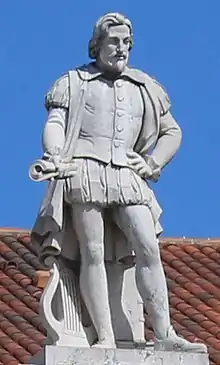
{"x":107,"y":186}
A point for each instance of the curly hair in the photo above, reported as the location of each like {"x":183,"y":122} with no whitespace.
{"x":101,"y":29}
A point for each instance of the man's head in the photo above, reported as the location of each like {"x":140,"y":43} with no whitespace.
{"x":111,"y":42}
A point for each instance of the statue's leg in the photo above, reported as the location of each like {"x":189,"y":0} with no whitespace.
{"x":89,"y":227}
{"x":137,"y":224}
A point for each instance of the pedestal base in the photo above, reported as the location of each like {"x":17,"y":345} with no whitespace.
{"x":59,"y":355}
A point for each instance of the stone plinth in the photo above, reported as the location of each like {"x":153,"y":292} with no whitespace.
{"x":59,"y":355}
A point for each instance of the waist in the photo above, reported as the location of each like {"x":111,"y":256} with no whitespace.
{"x":103,"y":149}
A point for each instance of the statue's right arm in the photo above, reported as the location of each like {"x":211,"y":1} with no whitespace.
{"x":57,"y":105}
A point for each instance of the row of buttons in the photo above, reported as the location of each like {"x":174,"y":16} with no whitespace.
{"x":119,"y":113}
{"x":119,"y":84}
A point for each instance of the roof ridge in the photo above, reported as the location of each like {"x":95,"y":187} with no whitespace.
{"x":10,"y":230}
{"x":189,"y":240}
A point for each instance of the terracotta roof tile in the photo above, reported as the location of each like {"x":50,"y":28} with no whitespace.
{"x":193,"y":276}
{"x":7,"y":358}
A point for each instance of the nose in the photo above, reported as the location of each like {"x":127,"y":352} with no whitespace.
{"x":121,"y":46}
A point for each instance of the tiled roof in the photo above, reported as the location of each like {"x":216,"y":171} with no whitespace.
{"x":21,"y":333}
{"x":193,"y":273}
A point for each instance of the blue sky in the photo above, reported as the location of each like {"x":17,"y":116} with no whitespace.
{"x":175,"y":41}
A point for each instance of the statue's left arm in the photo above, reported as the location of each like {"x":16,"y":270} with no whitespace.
{"x":169,"y":137}
{"x":168,"y":142}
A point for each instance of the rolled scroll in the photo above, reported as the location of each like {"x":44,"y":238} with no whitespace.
{"x":42,"y":170}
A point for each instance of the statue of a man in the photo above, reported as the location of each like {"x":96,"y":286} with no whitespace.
{"x":113,"y":123}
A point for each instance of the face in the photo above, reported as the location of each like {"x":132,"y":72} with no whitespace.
{"x":114,"y":51}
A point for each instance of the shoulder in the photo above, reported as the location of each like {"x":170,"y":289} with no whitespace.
{"x":58,"y":95}
{"x":137,"y":75}
{"x":162,"y":96}
{"x":158,"y":88}
{"x":143,"y":78}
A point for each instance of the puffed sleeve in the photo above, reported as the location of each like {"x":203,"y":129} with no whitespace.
{"x":58,"y":96}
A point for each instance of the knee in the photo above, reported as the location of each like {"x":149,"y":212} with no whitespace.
{"x":93,"y":254}
{"x":149,"y":255}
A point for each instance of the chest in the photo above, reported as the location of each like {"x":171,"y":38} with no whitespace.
{"x":108,"y":97}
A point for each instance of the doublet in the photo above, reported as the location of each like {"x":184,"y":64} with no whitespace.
{"x":111,"y":120}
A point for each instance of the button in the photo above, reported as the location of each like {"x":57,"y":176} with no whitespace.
{"x":120,"y":98}
{"x":119,"y":128}
{"x":120,"y":113}
{"x":119,"y":83}
{"x":117,"y":143}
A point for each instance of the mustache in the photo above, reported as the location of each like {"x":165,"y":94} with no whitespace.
{"x":121,"y":54}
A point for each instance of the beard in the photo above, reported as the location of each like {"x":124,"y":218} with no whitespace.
{"x":118,"y":64}
{"x":114,"y":64}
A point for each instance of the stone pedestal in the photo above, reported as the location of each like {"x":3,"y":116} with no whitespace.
{"x":59,"y":355}
{"x":71,"y":332}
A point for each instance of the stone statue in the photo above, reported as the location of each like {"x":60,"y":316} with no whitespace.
{"x":109,"y":132}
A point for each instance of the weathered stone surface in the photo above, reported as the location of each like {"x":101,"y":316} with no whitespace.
{"x":57,"y":355}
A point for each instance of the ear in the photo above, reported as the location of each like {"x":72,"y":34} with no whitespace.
{"x":131,"y":44}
